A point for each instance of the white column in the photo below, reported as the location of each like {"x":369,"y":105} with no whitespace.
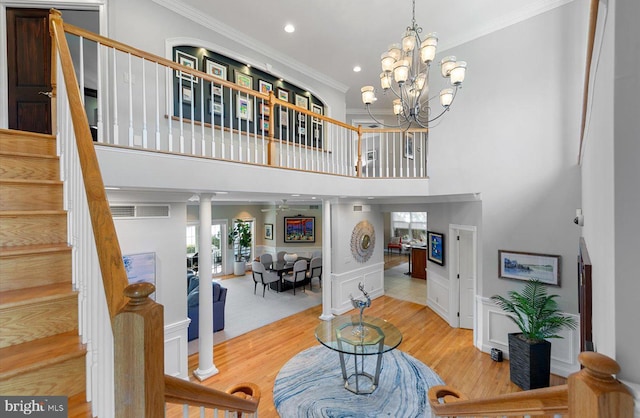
{"x":206,"y":368}
{"x":326,"y":261}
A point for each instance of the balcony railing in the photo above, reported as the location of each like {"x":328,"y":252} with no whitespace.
{"x":148,"y":102}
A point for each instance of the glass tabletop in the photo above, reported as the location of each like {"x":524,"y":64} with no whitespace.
{"x":344,"y":334}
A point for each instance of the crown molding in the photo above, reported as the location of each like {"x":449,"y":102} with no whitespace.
{"x":225,"y":30}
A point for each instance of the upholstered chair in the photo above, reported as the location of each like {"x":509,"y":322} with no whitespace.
{"x":261,"y":275}
{"x":396,"y":242}
{"x":280,"y":255}
{"x":266,"y":260}
{"x":298,"y":275}
{"x":315,"y":270}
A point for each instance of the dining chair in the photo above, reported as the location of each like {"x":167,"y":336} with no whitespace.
{"x":261,"y":275}
{"x":298,"y":275}
{"x":266,"y":260}
{"x":280,"y":255}
{"x":315,"y":270}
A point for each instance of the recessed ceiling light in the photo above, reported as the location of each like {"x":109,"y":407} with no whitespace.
{"x":357,"y":69}
{"x":222,"y":192}
{"x":289,"y":28}
{"x":313,"y":197}
{"x":370,"y":197}
{"x":295,"y":195}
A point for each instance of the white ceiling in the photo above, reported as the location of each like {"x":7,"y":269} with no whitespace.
{"x":333,"y":36}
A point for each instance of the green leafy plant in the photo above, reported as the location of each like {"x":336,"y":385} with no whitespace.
{"x":535,"y":312}
{"x":241,"y":234}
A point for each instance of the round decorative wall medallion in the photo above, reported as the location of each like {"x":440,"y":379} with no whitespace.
{"x":363,"y":241}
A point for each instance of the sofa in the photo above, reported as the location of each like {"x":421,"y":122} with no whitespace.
{"x":193,"y":306}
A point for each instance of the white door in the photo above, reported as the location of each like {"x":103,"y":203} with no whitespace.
{"x":218,"y":246}
{"x":466,"y":275}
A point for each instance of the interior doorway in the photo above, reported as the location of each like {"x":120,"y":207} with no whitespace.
{"x":463,"y":274}
{"x":218,"y":247}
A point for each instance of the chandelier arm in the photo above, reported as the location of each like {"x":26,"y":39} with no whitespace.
{"x":381,"y":123}
{"x":446,"y":109}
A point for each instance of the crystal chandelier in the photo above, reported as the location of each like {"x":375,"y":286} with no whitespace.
{"x":405,"y":72}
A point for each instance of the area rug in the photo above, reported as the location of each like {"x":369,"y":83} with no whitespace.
{"x":311,"y":385}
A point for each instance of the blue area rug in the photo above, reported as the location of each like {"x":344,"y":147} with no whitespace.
{"x":311,"y":385}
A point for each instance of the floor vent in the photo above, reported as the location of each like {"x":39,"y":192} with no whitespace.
{"x":140,"y":211}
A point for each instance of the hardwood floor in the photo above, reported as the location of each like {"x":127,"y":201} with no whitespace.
{"x":258,"y":355}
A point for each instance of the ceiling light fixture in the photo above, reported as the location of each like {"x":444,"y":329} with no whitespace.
{"x":357,"y":69}
{"x":289,"y":28}
{"x":407,"y":64}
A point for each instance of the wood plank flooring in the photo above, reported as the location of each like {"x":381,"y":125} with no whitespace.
{"x":258,"y":355}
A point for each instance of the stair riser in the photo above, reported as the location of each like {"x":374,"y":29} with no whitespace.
{"x":23,"y":142}
{"x":34,"y":269}
{"x":30,"y":321}
{"x":33,"y":229}
{"x":28,"y":168}
{"x":30,"y":196}
{"x":65,"y":378}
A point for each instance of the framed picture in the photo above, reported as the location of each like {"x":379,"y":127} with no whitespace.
{"x":217,"y":108}
{"x":264,"y":86}
{"x":265,"y":109}
{"x":436,"y":247}
{"x":187,"y":60}
{"x":284,"y":118}
{"x":302,"y":130}
{"x":268,"y":231}
{"x":141,"y":268}
{"x":371,"y":155}
{"x":317,"y":109}
{"x":187,"y":95}
{"x":300,"y":229}
{"x":407,"y":145}
{"x":244,"y":107}
{"x":244,"y":80}
{"x":265,"y":124}
{"x":526,"y":266}
{"x":215,"y":68}
{"x":283,"y":94}
{"x":216,"y":90}
{"x":302,"y":101}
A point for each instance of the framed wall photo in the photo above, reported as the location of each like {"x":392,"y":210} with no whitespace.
{"x":302,"y":101}
{"x":407,"y":145}
{"x":284,"y":118}
{"x":217,"y":108}
{"x":300,"y":229}
{"x":141,"y":268}
{"x":265,"y":109}
{"x":317,"y":109}
{"x":283,"y":94}
{"x":187,"y":60}
{"x":265,"y":124}
{"x":264,"y":87}
{"x":187,"y":95}
{"x":244,"y":80}
{"x":526,"y":266}
{"x":215,"y":68}
{"x":268,"y":231}
{"x":244,"y":107}
{"x":436,"y":247}
{"x":216,"y":90}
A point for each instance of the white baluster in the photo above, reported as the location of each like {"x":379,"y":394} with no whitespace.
{"x":81,"y":65}
{"x":169,"y":103}
{"x":157,"y":108}
{"x":144,"y":107}
{"x":192,"y":115}
{"x":130,"y":102}
{"x":203,"y":147}
{"x":181,"y":111}
{"x":115,"y":100}
{"x":100,"y":94}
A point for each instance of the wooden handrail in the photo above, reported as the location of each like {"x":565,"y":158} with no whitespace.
{"x":593,"y":20}
{"x":243,"y":397}
{"x":114,"y":275}
{"x":590,"y":393}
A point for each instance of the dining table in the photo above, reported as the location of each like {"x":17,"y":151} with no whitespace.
{"x":281,"y":267}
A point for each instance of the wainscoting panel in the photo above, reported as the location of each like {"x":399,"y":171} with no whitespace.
{"x":345,"y":284}
{"x":438,"y":294}
{"x":176,"y":351}
{"x":496,"y":325}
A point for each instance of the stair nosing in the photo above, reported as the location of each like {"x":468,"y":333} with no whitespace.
{"x":31,"y":212}
{"x":28,"y":155}
{"x":27,"y":134}
{"x":30,"y":181}
{"x":15,"y":298}
{"x":20,"y":250}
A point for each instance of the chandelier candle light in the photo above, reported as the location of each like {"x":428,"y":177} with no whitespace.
{"x":407,"y":64}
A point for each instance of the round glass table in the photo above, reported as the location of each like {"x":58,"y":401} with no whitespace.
{"x":360,"y":337}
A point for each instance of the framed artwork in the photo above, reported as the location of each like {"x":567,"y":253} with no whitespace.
{"x":187,"y":60}
{"x":244,"y":80}
{"x":217,"y":108}
{"x":216,"y":90}
{"x":187,"y":95}
{"x":284,"y":118}
{"x":317,"y":109}
{"x":302,"y":130}
{"x":302,"y":101}
{"x":371,"y":155}
{"x":264,"y":86}
{"x":300,"y":229}
{"x":265,"y":109}
{"x":265,"y":124}
{"x":215,"y":68}
{"x":268,"y":231}
{"x":244,"y":107}
{"x":407,"y":145}
{"x":283,"y":94}
{"x":141,"y":268}
{"x":436,"y":247}
{"x":526,"y":266}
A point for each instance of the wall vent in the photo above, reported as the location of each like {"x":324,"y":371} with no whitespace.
{"x":140,"y":211}
{"x":314,"y":207}
{"x":362,"y":208}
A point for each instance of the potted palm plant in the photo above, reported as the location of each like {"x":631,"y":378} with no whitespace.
{"x":240,"y":235}
{"x":537,"y":315}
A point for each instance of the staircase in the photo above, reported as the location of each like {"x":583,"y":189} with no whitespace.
{"x":41,"y":352}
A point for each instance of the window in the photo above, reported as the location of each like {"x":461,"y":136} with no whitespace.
{"x":411,"y":226}
{"x":192,"y":239}
{"x":248,"y":251}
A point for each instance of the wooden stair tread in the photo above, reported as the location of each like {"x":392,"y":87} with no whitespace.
{"x":33,"y":355}
{"x":34,"y":249}
{"x":31,"y":212}
{"x":11,"y":298}
{"x":28,"y":155}
{"x":29,"y":181}
{"x":13,"y":132}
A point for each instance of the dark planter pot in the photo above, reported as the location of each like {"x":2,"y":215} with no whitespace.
{"x":529,"y":363}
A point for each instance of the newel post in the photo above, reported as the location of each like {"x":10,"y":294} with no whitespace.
{"x":138,"y":334}
{"x":595,"y":393}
